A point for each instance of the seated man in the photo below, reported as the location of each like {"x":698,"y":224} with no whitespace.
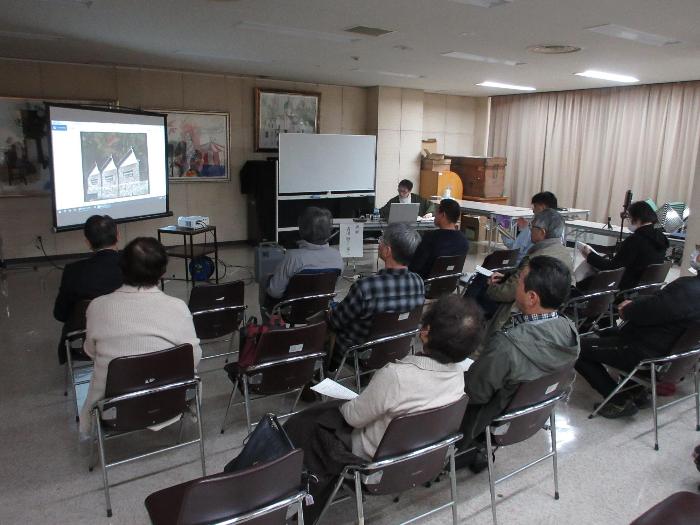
{"x":653,"y":323}
{"x":446,"y":240}
{"x":313,"y":253}
{"x":537,"y":342}
{"x":393,"y":289}
{"x":546,"y":231}
{"x":88,"y":278}
{"x":523,"y":242}
{"x":405,"y":196}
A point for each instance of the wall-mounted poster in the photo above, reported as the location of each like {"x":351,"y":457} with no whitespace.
{"x":198,"y":146}
{"x":283,"y":112}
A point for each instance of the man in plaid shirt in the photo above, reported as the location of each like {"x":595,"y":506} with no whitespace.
{"x":393,"y":289}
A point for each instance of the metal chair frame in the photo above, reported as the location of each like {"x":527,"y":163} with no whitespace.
{"x":356,"y":349}
{"x":429,"y":280}
{"x":235,"y":310}
{"x":505,"y":418}
{"x":276,"y":310}
{"x":651,"y":365}
{"x":71,"y":367}
{"x":103,"y":436}
{"x":243,"y":377}
{"x":579,"y":302}
{"x":355,"y":473}
{"x":297,"y":499}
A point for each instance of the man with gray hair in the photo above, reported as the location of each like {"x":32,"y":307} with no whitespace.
{"x":546,"y":230}
{"x":392,"y":289}
{"x":313,"y":254}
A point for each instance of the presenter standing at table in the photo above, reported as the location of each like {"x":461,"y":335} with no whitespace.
{"x":405,"y":196}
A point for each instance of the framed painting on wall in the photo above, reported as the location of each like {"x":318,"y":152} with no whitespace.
{"x":279,"y":111}
{"x":198,"y":146}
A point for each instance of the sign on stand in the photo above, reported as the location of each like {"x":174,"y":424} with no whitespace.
{"x":351,"y":240}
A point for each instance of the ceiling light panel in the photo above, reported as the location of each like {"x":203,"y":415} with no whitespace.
{"x":389,"y":73}
{"x":479,"y":58}
{"x":296,"y":32}
{"x":628,"y":33}
{"x":501,"y":85}
{"x":483,"y":3}
{"x":369,"y":31}
{"x":604,"y":75}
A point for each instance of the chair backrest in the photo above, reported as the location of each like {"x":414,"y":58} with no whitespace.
{"x":411,"y":432}
{"x":217,"y":308}
{"x":448,"y":265}
{"x":689,"y":341}
{"x":305,"y":284}
{"x":135,"y":373}
{"x":605,"y":281}
{"x":77,"y":318}
{"x":529,"y":394}
{"x":219,"y":497}
{"x":681,"y":508}
{"x":385,"y":324}
{"x":292,"y":344}
{"x":655,"y":273}
{"x":501,"y":259}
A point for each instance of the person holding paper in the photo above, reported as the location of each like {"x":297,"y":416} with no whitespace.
{"x":333,"y":435}
{"x":405,"y":196}
{"x":523,"y":242}
{"x":647,"y":245}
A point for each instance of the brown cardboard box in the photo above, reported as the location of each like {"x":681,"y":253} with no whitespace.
{"x":473,"y":227}
{"x":430,"y":145}
{"x":481,"y":176}
{"x":435,"y":165}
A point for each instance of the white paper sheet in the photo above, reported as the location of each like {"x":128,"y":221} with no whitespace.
{"x":483,"y":271}
{"x":330,"y":388}
{"x":351,"y":239}
{"x":583,"y":271}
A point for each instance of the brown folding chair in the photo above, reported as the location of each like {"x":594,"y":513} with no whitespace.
{"x":496,"y":261}
{"x":653,"y":278}
{"x":681,"y":508}
{"x":217,"y":312}
{"x":683,"y":361}
{"x":78,"y":368}
{"x":412,"y":452}
{"x":444,"y":276}
{"x":533,"y":404}
{"x":259,"y":495}
{"x":285,"y":362}
{"x":142,"y":391}
{"x":390,"y":338}
{"x":307,"y":294}
{"x":598,"y":300}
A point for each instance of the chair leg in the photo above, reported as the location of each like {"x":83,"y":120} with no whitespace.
{"x":453,"y":485}
{"x":492,"y":474}
{"x":357,"y":373}
{"x":300,"y":512}
{"x":65,"y":379}
{"x":228,"y":407}
{"x":296,"y":399}
{"x":655,"y":414}
{"x":246,"y":402}
{"x":329,"y":502}
{"x":103,"y":463}
{"x":612,"y":394}
{"x":358,"y":499}
{"x":697,"y":396}
{"x":553,"y":433}
{"x":340,"y":366}
{"x":199,"y":428}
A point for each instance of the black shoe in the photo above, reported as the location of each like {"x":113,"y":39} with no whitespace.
{"x":475,"y":460}
{"x":615,"y":409}
{"x":642,"y":398}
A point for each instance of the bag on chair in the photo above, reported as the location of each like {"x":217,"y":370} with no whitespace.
{"x":249,"y":337}
{"x":267,"y":442}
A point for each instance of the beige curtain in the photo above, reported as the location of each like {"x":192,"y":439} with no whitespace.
{"x":589,"y":147}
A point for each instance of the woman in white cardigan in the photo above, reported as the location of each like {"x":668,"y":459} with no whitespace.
{"x":137,"y":318}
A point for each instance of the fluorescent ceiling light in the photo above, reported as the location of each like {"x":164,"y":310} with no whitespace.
{"x":296,"y":32}
{"x":25,"y":35}
{"x":501,"y":85}
{"x":628,"y":33}
{"x":84,"y":3}
{"x":479,"y":58}
{"x":483,"y":3}
{"x":389,"y":73}
{"x":602,"y":75}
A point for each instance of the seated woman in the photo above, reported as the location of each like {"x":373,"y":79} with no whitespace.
{"x":313,"y":253}
{"x":137,"y":318}
{"x":647,"y":245}
{"x":333,"y":435}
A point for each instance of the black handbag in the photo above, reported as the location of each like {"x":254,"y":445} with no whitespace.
{"x":267,"y":442}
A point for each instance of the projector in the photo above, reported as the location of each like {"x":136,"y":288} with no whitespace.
{"x":193,"y":222}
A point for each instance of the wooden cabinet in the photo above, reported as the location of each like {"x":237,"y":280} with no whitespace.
{"x":481,"y":176}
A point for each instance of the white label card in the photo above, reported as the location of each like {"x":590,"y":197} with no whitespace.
{"x":351,"y":239}
{"x":551,"y":388}
{"x":404,"y":316}
{"x":296,"y":348}
{"x":450,"y":267}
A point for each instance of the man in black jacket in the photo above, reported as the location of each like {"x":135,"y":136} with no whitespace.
{"x":89,"y":278}
{"x":653,"y":324}
{"x":447,"y":240}
{"x":405,"y":196}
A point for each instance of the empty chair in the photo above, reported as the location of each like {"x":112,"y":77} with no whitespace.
{"x":598,"y":300}
{"x":681,"y":508}
{"x":496,"y":261}
{"x":308,"y":293}
{"x":257,"y":495}
{"x":533,"y":404}
{"x":217,"y":312}
{"x":413,"y":451}
{"x":390,"y":338}
{"x":444,"y":276}
{"x":142,"y":391}
{"x":681,"y":363}
{"x":285,"y":362}
{"x":78,"y":365}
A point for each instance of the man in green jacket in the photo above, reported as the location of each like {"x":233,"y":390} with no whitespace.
{"x":546,"y":228}
{"x":537,"y":342}
{"x":405,"y":196}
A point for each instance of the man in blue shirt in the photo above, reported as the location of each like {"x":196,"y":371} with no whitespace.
{"x":523,"y":242}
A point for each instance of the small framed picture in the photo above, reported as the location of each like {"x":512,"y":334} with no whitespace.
{"x":278,"y":111}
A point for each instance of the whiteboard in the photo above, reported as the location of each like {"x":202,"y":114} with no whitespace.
{"x":311,"y":163}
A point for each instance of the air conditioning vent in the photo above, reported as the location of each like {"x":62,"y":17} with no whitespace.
{"x":368,"y":31}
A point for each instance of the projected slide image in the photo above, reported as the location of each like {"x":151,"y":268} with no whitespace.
{"x":114,"y":165}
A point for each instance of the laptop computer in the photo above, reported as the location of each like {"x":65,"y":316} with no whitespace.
{"x":403,"y":212}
